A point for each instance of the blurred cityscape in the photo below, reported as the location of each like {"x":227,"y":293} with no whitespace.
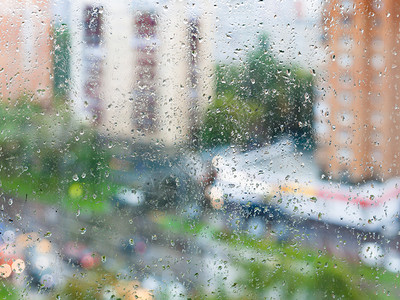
{"x":199,"y":149}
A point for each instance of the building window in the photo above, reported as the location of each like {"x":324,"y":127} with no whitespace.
{"x":93,"y":60}
{"x":345,"y":98}
{"x":345,"y":60}
{"x":377,"y":5}
{"x":345,"y":118}
{"x":145,"y":65}
{"x":346,"y":42}
{"x":377,"y":119}
{"x":378,"y":61}
{"x":343,"y":136}
{"x":194,"y":40}
{"x":93,"y":25}
{"x":345,"y":79}
{"x":377,"y":44}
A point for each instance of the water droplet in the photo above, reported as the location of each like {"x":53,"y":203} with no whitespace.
{"x":83,"y":230}
{"x":75,"y":177}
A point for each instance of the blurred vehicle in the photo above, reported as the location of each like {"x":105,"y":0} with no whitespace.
{"x":135,"y":244}
{"x":79,"y":254}
{"x":280,"y":182}
{"x":125,"y":289}
{"x":128,"y":197}
{"x":43,"y":265}
{"x":12,"y":259}
{"x":159,"y":180}
{"x":243,"y":179}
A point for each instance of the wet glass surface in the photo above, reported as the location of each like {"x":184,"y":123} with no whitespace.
{"x":199,"y":149}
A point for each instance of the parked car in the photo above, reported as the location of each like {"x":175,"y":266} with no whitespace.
{"x":79,"y":254}
{"x":44,"y":266}
{"x":159,"y":180}
{"x":12,"y":259}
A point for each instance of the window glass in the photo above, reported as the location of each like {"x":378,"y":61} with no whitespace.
{"x":199,"y":149}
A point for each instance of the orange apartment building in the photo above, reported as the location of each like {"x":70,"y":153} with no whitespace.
{"x":25,"y":50}
{"x":358,"y":116}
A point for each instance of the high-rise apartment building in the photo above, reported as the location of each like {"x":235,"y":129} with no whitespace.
{"x":25,"y":50}
{"x":142,"y":70}
{"x":358,"y":117}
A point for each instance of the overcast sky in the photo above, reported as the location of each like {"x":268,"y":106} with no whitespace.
{"x":293,"y":27}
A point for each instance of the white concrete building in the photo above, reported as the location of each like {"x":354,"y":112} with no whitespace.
{"x":142,"y":70}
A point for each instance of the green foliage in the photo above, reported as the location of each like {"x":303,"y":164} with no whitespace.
{"x":227,"y":80}
{"x":16,"y":129}
{"x":283,"y":93}
{"x":272,"y":270}
{"x":62,"y":46}
{"x":230,"y":120}
{"x":42,"y":152}
{"x":7,"y":291}
{"x":90,"y":285}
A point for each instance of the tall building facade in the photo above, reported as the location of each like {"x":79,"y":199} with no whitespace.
{"x":358,"y":116}
{"x":142,"y":70}
{"x":25,"y":50}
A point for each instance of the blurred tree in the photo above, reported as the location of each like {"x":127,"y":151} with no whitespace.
{"x":282,"y":97}
{"x":61,"y":60}
{"x":231,"y":121}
